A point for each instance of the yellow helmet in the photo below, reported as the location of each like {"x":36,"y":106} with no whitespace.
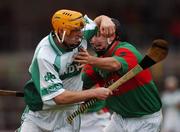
{"x":67,"y":20}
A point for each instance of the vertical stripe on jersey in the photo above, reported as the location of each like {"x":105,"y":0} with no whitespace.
{"x":34,"y":70}
{"x":57,"y":63}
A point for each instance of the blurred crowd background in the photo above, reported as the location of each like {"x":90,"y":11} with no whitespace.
{"x":24,"y":23}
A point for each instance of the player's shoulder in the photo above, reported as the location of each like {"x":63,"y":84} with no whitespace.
{"x":126,"y":45}
{"x":44,"y":50}
{"x":44,"y":42}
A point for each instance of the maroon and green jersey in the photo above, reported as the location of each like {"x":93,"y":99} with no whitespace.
{"x":138,"y":96}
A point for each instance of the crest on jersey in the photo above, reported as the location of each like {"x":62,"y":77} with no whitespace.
{"x":49,"y":77}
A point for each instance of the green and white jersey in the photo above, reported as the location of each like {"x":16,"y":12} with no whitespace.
{"x":53,"y":71}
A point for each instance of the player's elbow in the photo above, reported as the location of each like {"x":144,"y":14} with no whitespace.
{"x":67,"y":97}
{"x":62,"y":99}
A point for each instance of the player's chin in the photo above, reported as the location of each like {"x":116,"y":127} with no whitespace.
{"x":74,"y":45}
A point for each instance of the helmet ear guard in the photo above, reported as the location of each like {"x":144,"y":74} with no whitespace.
{"x":68,"y":21}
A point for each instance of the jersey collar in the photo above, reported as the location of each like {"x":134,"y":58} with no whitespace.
{"x":111,"y":49}
{"x":55,"y":46}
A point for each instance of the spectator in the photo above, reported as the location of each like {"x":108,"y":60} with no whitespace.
{"x":171,"y":105}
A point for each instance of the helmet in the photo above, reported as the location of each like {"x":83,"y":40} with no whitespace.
{"x":67,"y":20}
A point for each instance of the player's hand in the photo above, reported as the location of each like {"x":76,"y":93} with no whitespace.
{"x":83,"y":57}
{"x":107,"y":27}
{"x":102,"y":93}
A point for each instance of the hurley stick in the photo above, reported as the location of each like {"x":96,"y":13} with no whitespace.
{"x":11,"y":93}
{"x":155,"y":54}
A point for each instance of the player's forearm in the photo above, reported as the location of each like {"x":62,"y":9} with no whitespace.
{"x":108,"y":63}
{"x":69,"y":97}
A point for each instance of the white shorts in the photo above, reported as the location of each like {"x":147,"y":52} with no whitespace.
{"x":49,"y":121}
{"x":93,"y":122}
{"x":147,"y":123}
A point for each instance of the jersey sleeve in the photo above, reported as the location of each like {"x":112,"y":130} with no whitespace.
{"x":128,"y":57}
{"x":46,"y":78}
{"x":89,"y":77}
{"x":90,"y":29}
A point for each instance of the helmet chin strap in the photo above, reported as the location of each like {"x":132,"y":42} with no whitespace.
{"x":61,"y":41}
{"x":109,"y":41}
{"x":63,"y":36}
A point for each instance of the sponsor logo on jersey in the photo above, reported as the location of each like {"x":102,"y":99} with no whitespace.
{"x":54,"y":88}
{"x":71,"y":70}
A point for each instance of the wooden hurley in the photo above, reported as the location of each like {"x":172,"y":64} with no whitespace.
{"x":11,"y":93}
